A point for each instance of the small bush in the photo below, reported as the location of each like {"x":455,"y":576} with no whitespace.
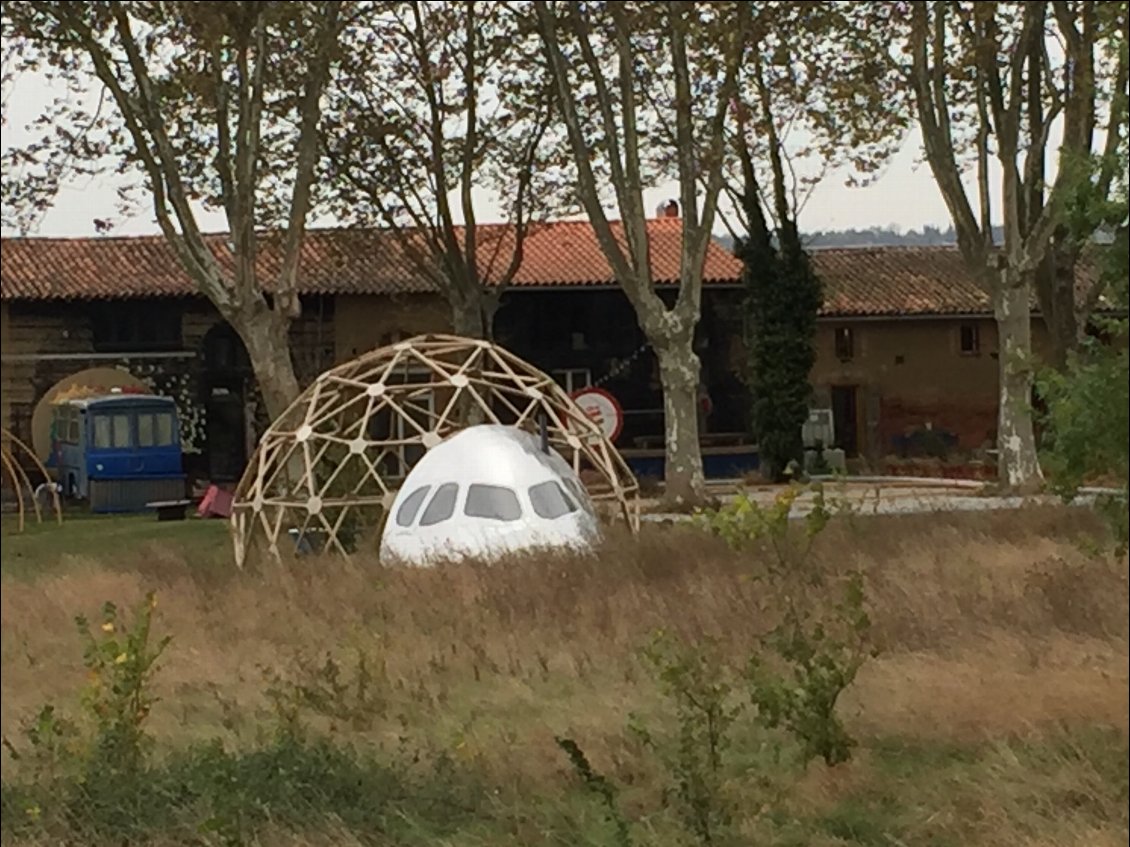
{"x":349,"y":692}
{"x":823,"y":658}
{"x":697,"y":682}
{"x":599,"y":785}
{"x":821,"y":648}
{"x":121,"y":661}
{"x":744,"y":524}
{"x":102,"y":788}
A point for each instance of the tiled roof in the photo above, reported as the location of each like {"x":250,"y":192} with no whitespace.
{"x":333,"y":261}
{"x":863,"y":281}
{"x":568,"y":253}
{"x":877,"y":281}
{"x":869,"y":281}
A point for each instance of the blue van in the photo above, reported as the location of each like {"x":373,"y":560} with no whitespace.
{"x":119,"y":451}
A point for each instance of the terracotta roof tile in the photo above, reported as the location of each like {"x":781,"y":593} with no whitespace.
{"x":877,"y":281}
{"x":858,"y":281}
{"x":102,"y":268}
{"x":568,"y":253}
{"x":332,"y":261}
{"x":897,"y":280}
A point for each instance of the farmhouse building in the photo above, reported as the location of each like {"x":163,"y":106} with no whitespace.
{"x":906,"y":341}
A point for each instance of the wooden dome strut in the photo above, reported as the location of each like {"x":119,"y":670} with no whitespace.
{"x":338,"y":454}
{"x":13,"y":468}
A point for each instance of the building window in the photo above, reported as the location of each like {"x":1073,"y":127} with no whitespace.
{"x":970,"y":339}
{"x":845,"y":343}
{"x":421,"y":408}
{"x":418,"y":416}
{"x":137,"y":326}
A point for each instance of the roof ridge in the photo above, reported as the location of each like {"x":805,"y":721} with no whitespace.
{"x":312,"y":230}
{"x":893,"y":248}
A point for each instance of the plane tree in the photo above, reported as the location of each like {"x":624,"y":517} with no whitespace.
{"x":991,"y":94}
{"x":191,"y":106}
{"x":444,"y":110}
{"x":620,"y":71}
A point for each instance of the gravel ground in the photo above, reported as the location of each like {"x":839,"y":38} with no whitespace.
{"x":889,"y":498}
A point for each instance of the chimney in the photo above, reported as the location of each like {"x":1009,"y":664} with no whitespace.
{"x":671,"y":210}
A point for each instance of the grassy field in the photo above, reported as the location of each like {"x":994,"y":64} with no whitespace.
{"x":323,"y":702}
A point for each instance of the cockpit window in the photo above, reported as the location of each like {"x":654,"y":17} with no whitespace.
{"x":492,"y":502}
{"x":578,"y":492}
{"x":442,"y":505}
{"x":411,"y":506}
{"x":550,"y":500}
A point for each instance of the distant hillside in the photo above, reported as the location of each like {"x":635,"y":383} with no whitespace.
{"x":879,"y":237}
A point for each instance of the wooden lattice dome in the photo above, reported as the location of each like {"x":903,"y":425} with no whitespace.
{"x":328,"y":468}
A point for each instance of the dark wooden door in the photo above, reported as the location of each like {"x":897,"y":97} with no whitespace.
{"x":225,"y":428}
{"x":845,"y":418}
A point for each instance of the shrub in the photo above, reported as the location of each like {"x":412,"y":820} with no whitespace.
{"x":121,"y":662}
{"x":102,"y":788}
{"x":697,"y":682}
{"x":599,"y":785}
{"x":823,"y":658}
{"x":821,"y":648}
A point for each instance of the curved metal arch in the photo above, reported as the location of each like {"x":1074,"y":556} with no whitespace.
{"x":11,"y":467}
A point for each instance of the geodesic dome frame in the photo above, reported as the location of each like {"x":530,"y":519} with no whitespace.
{"x":336,"y":457}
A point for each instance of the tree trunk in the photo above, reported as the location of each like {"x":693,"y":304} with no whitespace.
{"x":469,"y":320}
{"x":1055,"y":292}
{"x":1018,"y":464}
{"x":266,"y":336}
{"x":683,"y":479}
{"x":468,"y":317}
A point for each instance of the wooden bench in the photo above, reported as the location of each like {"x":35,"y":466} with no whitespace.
{"x":169,"y":510}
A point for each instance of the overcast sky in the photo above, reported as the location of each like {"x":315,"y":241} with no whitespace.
{"x":904,"y":197}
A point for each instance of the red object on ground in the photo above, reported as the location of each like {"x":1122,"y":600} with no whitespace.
{"x":216,"y":503}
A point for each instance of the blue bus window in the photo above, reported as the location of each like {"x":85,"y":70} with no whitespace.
{"x":165,"y":429}
{"x":102,"y":439}
{"x":121,"y":430}
{"x":155,"y":429}
{"x":145,"y":430}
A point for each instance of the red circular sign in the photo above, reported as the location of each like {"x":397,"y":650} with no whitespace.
{"x":601,"y":407}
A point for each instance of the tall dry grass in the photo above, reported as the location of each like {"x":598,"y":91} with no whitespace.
{"x":983,"y":620}
{"x":992,"y":626}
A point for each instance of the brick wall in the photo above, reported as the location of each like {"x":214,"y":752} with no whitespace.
{"x":914,"y":375}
